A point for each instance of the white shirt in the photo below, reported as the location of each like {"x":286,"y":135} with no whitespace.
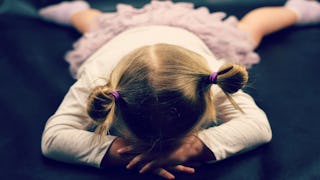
{"x":66,"y":136}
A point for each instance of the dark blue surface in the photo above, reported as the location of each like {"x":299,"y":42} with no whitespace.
{"x":34,"y":79}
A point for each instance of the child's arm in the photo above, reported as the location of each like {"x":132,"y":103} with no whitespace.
{"x":66,"y":138}
{"x":238,"y":132}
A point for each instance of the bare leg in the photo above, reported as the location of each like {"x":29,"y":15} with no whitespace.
{"x":266,"y":20}
{"x":258,"y":22}
{"x":71,"y":13}
{"x":82,"y":20}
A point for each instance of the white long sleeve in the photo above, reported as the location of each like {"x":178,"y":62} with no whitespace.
{"x":237,"y":132}
{"x":66,"y":138}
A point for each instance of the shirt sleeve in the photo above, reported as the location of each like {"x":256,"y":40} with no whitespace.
{"x":238,"y":131}
{"x":66,"y":138}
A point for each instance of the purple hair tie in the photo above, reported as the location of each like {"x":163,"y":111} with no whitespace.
{"x":213,"y":77}
{"x":115,"y":94}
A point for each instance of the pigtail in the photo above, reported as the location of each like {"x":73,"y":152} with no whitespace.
{"x":230,"y":78}
{"x":102,"y":108}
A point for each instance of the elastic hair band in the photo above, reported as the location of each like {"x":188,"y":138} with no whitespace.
{"x":213,"y":77}
{"x":115,"y":94}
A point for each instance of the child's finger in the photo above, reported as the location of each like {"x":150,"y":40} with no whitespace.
{"x":136,"y":160}
{"x":164,"y":173}
{"x":184,"y":169}
{"x":149,"y":166}
{"x":124,"y":150}
{"x":157,"y":163}
{"x":178,"y":168}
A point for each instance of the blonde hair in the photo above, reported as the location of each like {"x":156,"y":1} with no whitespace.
{"x":164,"y":93}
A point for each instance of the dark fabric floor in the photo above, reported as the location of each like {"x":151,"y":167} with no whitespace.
{"x":34,"y":79}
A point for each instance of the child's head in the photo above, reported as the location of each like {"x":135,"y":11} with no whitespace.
{"x":164,"y":93}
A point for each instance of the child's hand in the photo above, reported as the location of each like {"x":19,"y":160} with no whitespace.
{"x":191,"y":150}
{"x":126,"y":153}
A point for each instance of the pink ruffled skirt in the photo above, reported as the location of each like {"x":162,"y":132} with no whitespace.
{"x":219,"y":33}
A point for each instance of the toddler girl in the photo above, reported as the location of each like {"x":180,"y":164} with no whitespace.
{"x":161,"y":85}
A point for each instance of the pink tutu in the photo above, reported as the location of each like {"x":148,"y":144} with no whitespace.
{"x":221,"y":35}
